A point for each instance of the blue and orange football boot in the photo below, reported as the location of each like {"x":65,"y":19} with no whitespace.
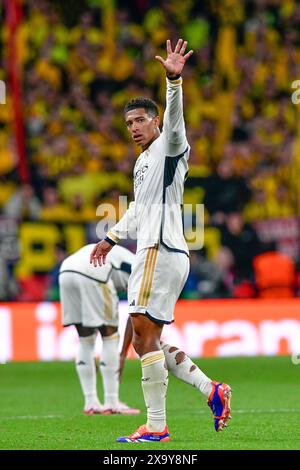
{"x":143,"y":435}
{"x":219,"y":403}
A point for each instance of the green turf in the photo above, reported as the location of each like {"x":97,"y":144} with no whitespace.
{"x":41,"y":408}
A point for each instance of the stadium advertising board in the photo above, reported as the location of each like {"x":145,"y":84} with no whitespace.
{"x":208,"y":328}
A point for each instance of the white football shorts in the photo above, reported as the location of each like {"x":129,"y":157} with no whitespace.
{"x":156,"y":281}
{"x":86,"y":301}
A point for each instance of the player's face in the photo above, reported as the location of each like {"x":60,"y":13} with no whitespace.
{"x":142,"y":127}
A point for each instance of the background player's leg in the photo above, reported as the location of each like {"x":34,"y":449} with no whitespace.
{"x":146,"y":342}
{"x":86,"y":369}
{"x":180,"y":365}
{"x":109,"y":366}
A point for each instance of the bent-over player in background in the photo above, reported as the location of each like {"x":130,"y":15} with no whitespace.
{"x":90,"y":302}
{"x":161,"y":264}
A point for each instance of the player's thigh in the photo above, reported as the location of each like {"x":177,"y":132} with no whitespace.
{"x":183,"y":263}
{"x":141,"y":278}
{"x":70,"y":298}
{"x":171,"y":273}
{"x":156,"y":281}
{"x":107,"y":330}
{"x":99,"y":303}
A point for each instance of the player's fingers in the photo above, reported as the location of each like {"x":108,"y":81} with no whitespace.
{"x":160,"y":59}
{"x":178,"y":46}
{"x":103,"y":259}
{"x":97,"y":257}
{"x":93,"y":254}
{"x":169,"y":46}
{"x":183,"y":48}
{"x":186,"y":56}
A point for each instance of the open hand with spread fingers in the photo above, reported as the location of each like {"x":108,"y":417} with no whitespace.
{"x":175,"y":61}
{"x":99,"y":253}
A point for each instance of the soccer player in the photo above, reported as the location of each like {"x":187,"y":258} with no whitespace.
{"x":161,"y":264}
{"x":89,"y":301}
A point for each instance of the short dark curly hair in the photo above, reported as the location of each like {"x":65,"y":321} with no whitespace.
{"x":149,"y":105}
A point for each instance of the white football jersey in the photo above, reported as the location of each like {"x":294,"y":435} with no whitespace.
{"x":117,"y":266}
{"x":159,"y":175}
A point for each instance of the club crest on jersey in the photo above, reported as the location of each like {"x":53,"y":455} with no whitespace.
{"x":139,"y":176}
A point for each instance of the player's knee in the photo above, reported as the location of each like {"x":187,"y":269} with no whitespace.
{"x":84,"y":331}
{"x":137,"y":344}
{"x":144,"y":344}
{"x":106,"y":330}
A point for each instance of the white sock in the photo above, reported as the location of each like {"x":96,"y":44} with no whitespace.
{"x":180,"y":365}
{"x":109,"y":366}
{"x":86,"y":370}
{"x":155,"y":385}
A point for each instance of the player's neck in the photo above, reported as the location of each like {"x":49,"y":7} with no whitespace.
{"x":157,"y":134}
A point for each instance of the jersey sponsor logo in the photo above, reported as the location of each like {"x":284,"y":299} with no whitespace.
{"x":139,"y":176}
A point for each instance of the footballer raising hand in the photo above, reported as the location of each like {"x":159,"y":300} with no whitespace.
{"x":175,"y":61}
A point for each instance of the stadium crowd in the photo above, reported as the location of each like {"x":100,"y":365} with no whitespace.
{"x":82,"y":64}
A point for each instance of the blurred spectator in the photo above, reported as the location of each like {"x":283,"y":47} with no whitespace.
{"x":23,"y":205}
{"x":8,"y":284}
{"x":225,"y":192}
{"x":242,"y":241}
{"x":52,"y":292}
{"x":53,"y":209}
{"x":210,"y":278}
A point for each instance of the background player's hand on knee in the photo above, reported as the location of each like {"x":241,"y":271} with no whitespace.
{"x":121,"y":366}
{"x":99,"y":253}
{"x":175,"y":61}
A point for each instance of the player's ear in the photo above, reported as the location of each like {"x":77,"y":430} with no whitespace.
{"x":157,"y":121}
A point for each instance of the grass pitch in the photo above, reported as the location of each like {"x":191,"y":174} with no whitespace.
{"x":41,"y":408}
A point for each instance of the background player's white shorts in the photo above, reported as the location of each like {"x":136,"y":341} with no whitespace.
{"x":156,"y":281}
{"x":86,"y":301}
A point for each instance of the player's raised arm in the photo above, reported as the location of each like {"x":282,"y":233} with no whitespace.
{"x":173,"y":123}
